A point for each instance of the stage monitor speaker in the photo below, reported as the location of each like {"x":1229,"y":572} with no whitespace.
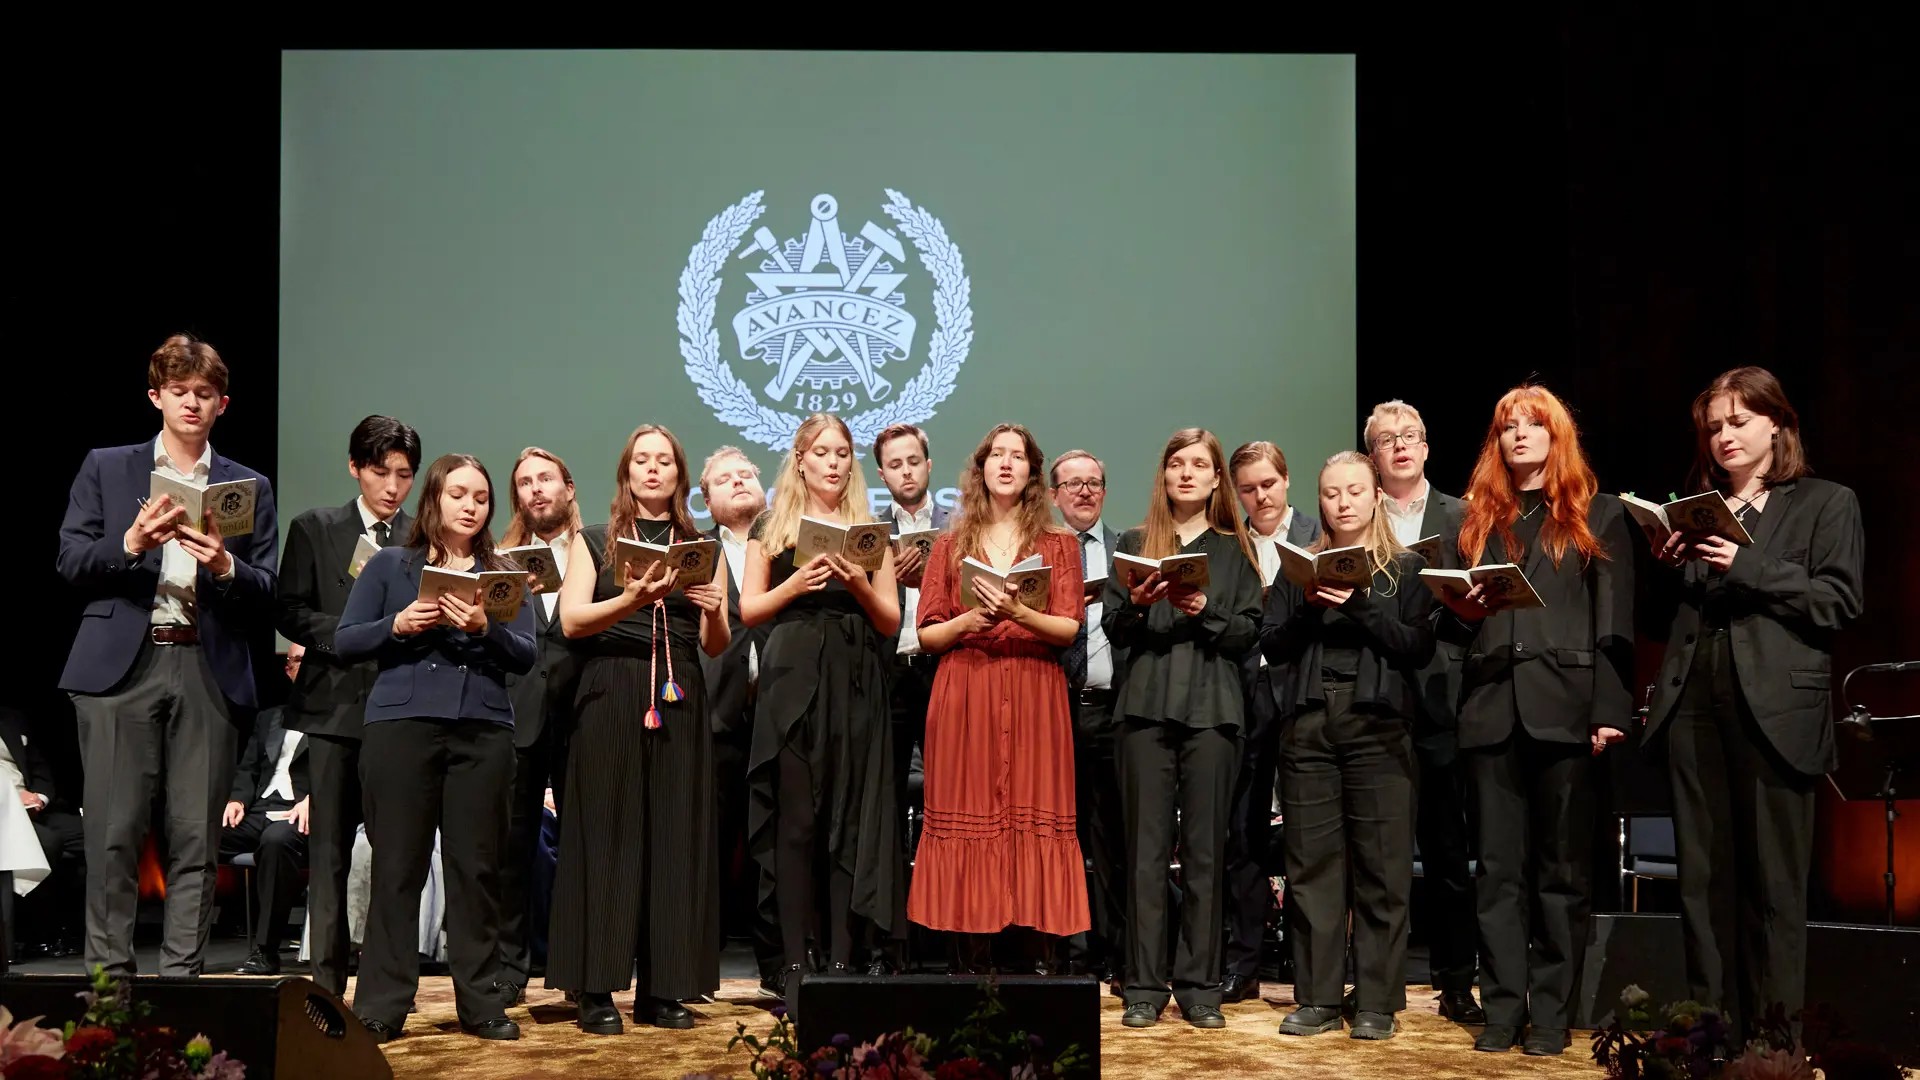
{"x":1858,"y":969}
{"x":285,"y":1028}
{"x":1062,"y":1011}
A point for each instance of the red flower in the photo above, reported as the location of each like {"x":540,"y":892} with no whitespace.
{"x":91,"y":1040}
{"x":37,"y":1067}
{"x":1672,"y":1046}
{"x":965,"y":1069}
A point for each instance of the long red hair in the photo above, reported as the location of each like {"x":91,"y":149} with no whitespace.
{"x":1493,"y":504}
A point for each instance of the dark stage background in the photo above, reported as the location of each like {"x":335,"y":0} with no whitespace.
{"x":1620,"y":205}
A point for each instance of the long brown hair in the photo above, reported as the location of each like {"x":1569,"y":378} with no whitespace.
{"x":1381,"y":544}
{"x":782,"y":526}
{"x":1493,"y":504}
{"x":1033,"y":516}
{"x":1758,"y":390}
{"x":519,"y":528}
{"x":1162,"y":538}
{"x":625,"y":509}
{"x":427,"y":525}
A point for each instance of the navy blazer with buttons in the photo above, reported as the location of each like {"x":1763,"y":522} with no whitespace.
{"x":120,"y":591}
{"x":440,"y":673}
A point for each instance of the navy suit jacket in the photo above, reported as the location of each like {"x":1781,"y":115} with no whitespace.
{"x":120,"y":592}
{"x":439,"y":673}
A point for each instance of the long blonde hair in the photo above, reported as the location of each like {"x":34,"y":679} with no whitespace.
{"x":1382,"y":546}
{"x":1032,"y":517}
{"x":1162,"y":538}
{"x":782,"y":524}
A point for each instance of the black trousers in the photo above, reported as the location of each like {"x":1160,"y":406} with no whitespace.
{"x":1440,"y":824}
{"x":1743,"y":832}
{"x":420,"y":775}
{"x":1536,"y":807}
{"x":908,"y":694}
{"x":798,"y":866}
{"x":279,"y":854}
{"x":334,"y":814}
{"x":1347,"y":791}
{"x":165,"y":730}
{"x":1101,"y":822}
{"x":535,"y":768}
{"x":739,"y":872}
{"x":56,"y":907}
{"x":1164,"y":767}
{"x":1251,"y":852}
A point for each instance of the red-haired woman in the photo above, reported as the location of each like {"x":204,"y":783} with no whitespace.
{"x":1000,"y":847}
{"x":1545,"y":689}
{"x":1742,"y":697}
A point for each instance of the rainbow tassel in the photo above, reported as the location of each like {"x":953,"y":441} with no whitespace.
{"x":670,"y":691}
{"x":652,"y":722}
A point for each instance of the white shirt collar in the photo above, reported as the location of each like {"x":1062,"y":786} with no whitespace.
{"x":1286,"y":523}
{"x":1415,"y":505}
{"x":728,"y":536}
{"x":915,"y":519}
{"x":202,"y":467}
{"x":367,"y":517}
{"x":1097,"y":530}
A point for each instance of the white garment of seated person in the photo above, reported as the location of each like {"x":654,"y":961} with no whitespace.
{"x":433,"y":904}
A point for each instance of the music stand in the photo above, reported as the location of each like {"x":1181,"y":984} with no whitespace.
{"x":1894,"y":742}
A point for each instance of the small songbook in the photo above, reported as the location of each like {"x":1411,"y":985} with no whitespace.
{"x":538,"y":560}
{"x":1095,"y":586}
{"x":1026,"y":579}
{"x":1503,"y":584}
{"x":864,"y":545}
{"x":1335,"y":568}
{"x":228,"y":506}
{"x":697,"y":560}
{"x":501,"y":591}
{"x":920,"y":538}
{"x":1428,"y":548}
{"x":1189,"y":569}
{"x":363,"y":549}
{"x":1705,"y":514}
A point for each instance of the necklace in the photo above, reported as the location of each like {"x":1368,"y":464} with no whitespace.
{"x":1004,"y":549}
{"x":1535,"y":510}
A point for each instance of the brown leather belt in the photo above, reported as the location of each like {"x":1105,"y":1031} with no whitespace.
{"x":173,"y":634}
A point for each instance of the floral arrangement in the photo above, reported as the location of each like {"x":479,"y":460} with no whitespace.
{"x":114,"y":1039}
{"x":983,"y":1048}
{"x":1693,"y":1042}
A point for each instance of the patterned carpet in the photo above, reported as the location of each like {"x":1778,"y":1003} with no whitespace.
{"x":1427,"y":1048}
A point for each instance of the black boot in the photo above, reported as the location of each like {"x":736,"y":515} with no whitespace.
{"x":598,"y":1015}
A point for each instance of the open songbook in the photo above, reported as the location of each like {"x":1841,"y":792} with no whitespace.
{"x":864,"y":545}
{"x":363,"y":549}
{"x":1705,"y":514}
{"x":697,"y":560}
{"x":1189,"y":569}
{"x":228,"y":506}
{"x":920,"y":538}
{"x":1095,"y":585}
{"x":1026,"y":579}
{"x":1338,"y":568}
{"x":501,"y":591}
{"x":538,"y":560}
{"x":1503,"y":584}
{"x":1428,"y":548}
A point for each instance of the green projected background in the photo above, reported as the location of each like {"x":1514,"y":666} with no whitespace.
{"x":514,"y":248}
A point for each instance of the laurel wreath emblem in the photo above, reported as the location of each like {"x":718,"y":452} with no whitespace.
{"x":733,"y":402}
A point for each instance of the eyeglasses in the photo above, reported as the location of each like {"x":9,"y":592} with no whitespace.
{"x":1080,"y":485}
{"x":1388,"y":440}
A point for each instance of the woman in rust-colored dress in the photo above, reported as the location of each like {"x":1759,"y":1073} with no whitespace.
{"x":998,"y":848}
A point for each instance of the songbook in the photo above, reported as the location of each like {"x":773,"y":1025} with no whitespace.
{"x":1188,"y":569}
{"x":538,"y":560}
{"x":920,"y":538}
{"x":228,"y":506}
{"x":500,"y":591}
{"x":1095,"y":586}
{"x":1428,"y":548}
{"x":864,"y":545}
{"x":1027,"y":579}
{"x":697,"y":560}
{"x":363,"y":549}
{"x":1705,"y":514}
{"x":1335,"y":568}
{"x":1503,"y":584}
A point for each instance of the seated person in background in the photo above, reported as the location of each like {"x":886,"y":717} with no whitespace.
{"x":46,"y":919}
{"x":267,"y":817}
{"x":433,"y":899}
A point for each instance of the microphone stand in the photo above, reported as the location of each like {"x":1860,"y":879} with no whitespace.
{"x":1860,"y":722}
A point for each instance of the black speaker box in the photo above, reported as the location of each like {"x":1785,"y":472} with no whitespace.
{"x":1062,"y":1011}
{"x":284,"y":1027}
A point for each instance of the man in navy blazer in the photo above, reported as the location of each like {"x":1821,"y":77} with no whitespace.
{"x":160,"y":669}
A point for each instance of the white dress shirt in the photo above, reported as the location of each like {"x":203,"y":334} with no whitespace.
{"x":1406,"y":519}
{"x":909,"y":521}
{"x":1266,"y":547}
{"x":1099,"y":651}
{"x":734,"y":547}
{"x":282,"y":783}
{"x":173,"y":599}
{"x":561,"y":544}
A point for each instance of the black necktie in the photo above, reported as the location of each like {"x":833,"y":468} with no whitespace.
{"x":1075,"y":659}
{"x":380,"y":531}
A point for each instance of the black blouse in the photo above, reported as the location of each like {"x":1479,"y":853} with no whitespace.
{"x":1179,"y":668}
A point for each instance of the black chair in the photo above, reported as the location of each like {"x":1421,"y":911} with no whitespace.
{"x":1647,"y":852}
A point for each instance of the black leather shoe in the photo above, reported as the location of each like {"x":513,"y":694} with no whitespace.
{"x":598,"y":1015}
{"x":1459,"y":1007}
{"x":1204,"y":1016}
{"x":1497,"y":1038}
{"x":33,"y":950}
{"x":879,"y":968}
{"x":790,"y":991}
{"x":1238,"y":987}
{"x":510,"y":993}
{"x":665,"y":1014}
{"x":1140,"y":1014}
{"x":498,"y":1029}
{"x":259,"y":962}
{"x":1546,"y":1042}
{"x":380,"y":1030}
{"x":1311,"y":1020}
{"x":1373,"y":1025}
{"x":770,"y":986}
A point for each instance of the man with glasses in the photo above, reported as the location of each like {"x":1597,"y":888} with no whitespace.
{"x":1078,"y":483}
{"x":1397,"y":439}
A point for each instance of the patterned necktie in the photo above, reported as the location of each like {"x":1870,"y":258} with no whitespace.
{"x":1075,"y":660}
{"x":380,"y":531}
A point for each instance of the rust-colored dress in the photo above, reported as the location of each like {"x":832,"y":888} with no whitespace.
{"x":998,"y":847}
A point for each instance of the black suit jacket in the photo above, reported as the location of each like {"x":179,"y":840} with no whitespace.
{"x":543,"y":697}
{"x":329,"y":695}
{"x":1787,"y":595}
{"x":1075,"y":654}
{"x":262,"y":754}
{"x":1439,"y":679}
{"x":728,"y":695}
{"x":1396,"y":615}
{"x":1302,"y":531}
{"x":35,"y":773}
{"x":1561,"y":669}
